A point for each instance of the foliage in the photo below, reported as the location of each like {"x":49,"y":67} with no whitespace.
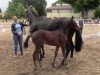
{"x":39,"y":5}
{"x":20,"y":10}
{"x":83,"y":5}
{"x":59,"y":1}
{"x":34,"y":10}
{"x":97,"y":13}
{"x":0,"y":11}
{"x":16,"y":7}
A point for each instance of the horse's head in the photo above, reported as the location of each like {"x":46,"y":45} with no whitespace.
{"x":31,"y":10}
{"x":72,"y":24}
{"x":31,"y":13}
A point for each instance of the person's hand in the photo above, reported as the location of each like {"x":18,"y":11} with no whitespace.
{"x":19,"y":33}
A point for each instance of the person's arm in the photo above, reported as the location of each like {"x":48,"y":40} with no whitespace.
{"x":13,"y":30}
{"x":23,"y":24}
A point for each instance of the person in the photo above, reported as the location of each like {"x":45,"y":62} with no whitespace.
{"x":81,"y":23}
{"x":17,"y":30}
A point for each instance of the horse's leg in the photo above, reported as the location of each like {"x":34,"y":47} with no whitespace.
{"x":71,"y":56}
{"x":42,"y":52}
{"x":64,"y":55}
{"x":34,"y":59}
{"x":38,"y":59}
{"x":72,"y":49}
{"x":67,"y":52}
{"x":68,"y":49}
{"x":70,"y":41}
{"x":55,"y":55}
{"x":40,"y":55}
{"x":36,"y":56}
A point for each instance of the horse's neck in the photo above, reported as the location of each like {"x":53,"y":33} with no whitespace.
{"x":35,"y":18}
{"x":31,"y":17}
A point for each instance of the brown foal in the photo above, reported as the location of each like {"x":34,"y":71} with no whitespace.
{"x":54,"y":38}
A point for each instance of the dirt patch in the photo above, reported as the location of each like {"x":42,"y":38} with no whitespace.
{"x":90,"y":29}
{"x":87,"y":62}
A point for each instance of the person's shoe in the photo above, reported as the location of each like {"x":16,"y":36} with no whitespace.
{"x":15,"y":56}
{"x":22,"y":54}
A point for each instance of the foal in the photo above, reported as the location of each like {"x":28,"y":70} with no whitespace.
{"x":54,"y":38}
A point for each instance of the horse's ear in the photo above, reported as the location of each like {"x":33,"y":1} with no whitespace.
{"x":31,"y":6}
{"x":72,"y":18}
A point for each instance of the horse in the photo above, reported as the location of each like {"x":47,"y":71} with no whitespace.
{"x":41,"y":37}
{"x":68,"y":26}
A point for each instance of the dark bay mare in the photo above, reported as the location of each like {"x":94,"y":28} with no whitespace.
{"x":68,"y":26}
{"x":41,"y":37}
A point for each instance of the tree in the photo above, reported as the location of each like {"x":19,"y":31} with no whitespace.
{"x":97,"y":13}
{"x":15,"y":9}
{"x":11,"y":10}
{"x":39,"y":5}
{"x":20,"y":10}
{"x":0,"y":10}
{"x":0,"y":14}
{"x":83,"y":6}
{"x":59,"y":1}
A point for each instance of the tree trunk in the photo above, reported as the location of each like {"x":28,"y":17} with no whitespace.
{"x":84,"y":13}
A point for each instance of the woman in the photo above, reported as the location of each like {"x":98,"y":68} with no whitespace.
{"x":17,"y":30}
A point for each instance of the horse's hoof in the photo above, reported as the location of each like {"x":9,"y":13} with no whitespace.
{"x":53,"y":65}
{"x":62,"y":63}
{"x":40,"y":59}
{"x":66,"y":68}
{"x":71,"y":58}
{"x":42,"y":56}
{"x":35,"y":69}
{"x":65,"y":64}
{"x":41,"y":66}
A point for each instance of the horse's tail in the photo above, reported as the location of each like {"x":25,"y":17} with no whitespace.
{"x":26,"y":41}
{"x":78,"y":41}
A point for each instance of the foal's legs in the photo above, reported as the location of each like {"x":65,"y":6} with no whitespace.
{"x":67,"y":49}
{"x":64,"y":55}
{"x":42,"y":52}
{"x":67,"y":52}
{"x":41,"y":55}
{"x":36,"y":57}
{"x":55,"y":55}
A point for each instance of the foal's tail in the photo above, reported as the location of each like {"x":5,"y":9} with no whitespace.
{"x":78,"y":41}
{"x":26,"y":41}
